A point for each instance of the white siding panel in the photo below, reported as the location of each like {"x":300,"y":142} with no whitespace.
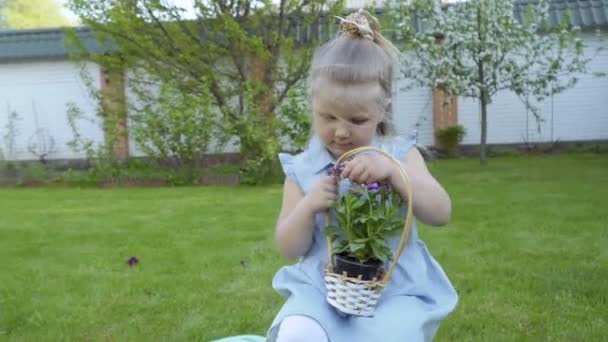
{"x":44,"y":89}
{"x":413,"y":111}
{"x":356,"y":4}
{"x":579,"y":113}
{"x":507,"y":120}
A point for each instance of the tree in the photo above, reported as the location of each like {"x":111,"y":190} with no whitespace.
{"x":243,"y":55}
{"x":478,"y":48}
{"x":176,"y":125}
{"x":24,"y":14}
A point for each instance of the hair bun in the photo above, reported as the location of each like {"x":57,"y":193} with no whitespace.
{"x":360,"y":24}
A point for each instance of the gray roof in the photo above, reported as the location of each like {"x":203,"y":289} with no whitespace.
{"x":20,"y":45}
{"x":586,"y":14}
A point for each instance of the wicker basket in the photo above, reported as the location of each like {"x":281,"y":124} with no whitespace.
{"x":353,"y":295}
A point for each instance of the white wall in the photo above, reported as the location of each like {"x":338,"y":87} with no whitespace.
{"x":579,"y":113}
{"x":43,"y":89}
{"x":413,"y":110}
{"x":363,"y":3}
{"x":46,"y":87}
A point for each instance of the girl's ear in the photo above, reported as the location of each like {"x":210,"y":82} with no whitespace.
{"x":388,"y":102}
{"x":383,"y":127}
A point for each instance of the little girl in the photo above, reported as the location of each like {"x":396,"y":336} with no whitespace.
{"x":351,"y":90}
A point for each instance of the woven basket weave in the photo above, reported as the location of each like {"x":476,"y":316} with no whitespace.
{"x":353,"y":295}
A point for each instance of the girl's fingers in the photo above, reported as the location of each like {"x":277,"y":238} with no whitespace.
{"x":331,"y":187}
{"x":344,"y":173}
{"x":364,"y":177}
{"x":357,"y":173}
{"x":358,"y":170}
{"x":331,"y":193}
{"x":347,"y":169}
{"x":331,"y":196}
{"x":332,"y":190}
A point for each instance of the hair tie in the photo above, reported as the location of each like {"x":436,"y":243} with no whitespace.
{"x":356,"y":24}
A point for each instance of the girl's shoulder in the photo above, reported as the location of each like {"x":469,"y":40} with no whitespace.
{"x":396,"y":145}
{"x":308,"y":163}
{"x":290,"y":163}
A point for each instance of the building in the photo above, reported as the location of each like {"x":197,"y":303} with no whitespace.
{"x":39,"y":82}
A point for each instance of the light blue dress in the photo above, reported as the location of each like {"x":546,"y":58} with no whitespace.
{"x":417,"y":298}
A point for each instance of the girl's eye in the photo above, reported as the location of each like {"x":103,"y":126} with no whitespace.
{"x":359,"y":121}
{"x":328,"y":117}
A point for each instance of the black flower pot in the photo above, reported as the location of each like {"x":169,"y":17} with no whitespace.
{"x":354,"y":268}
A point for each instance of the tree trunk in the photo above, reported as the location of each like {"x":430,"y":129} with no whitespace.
{"x":483,"y":91}
{"x":113,"y":103}
{"x":484,"y":127}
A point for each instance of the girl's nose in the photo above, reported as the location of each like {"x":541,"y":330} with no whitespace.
{"x":342,"y":131}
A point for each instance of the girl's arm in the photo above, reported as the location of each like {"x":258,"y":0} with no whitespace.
{"x":296,"y":223}
{"x":432,"y":204}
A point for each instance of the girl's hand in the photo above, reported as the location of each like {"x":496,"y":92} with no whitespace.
{"x":322,"y":195}
{"x":367,"y":168}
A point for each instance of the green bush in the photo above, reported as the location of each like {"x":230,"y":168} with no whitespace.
{"x":449,"y":138}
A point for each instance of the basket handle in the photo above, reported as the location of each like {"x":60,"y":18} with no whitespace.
{"x":408,"y":218}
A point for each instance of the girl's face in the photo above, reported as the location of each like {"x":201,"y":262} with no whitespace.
{"x":346,"y":116}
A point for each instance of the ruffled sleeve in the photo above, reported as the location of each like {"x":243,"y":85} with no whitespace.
{"x":287,"y":163}
{"x":401,"y":144}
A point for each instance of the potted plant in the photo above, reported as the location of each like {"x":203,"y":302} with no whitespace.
{"x":367,"y":216}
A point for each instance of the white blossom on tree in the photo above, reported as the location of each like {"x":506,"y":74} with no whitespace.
{"x":477,"y":48}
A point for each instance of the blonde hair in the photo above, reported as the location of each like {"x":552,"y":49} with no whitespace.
{"x":358,"y":54}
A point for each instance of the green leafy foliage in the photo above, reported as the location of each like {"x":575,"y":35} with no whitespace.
{"x":245,"y":57}
{"x":28,"y":14}
{"x":99,"y":156}
{"x":174,"y":128}
{"x":367,"y":217}
{"x":449,"y":138}
{"x":294,"y":119}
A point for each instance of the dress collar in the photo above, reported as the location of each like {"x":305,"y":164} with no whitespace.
{"x":321,"y":159}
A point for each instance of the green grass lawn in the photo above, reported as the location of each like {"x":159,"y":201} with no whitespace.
{"x":527,"y":250}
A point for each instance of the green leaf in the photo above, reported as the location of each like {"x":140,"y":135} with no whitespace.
{"x":381,"y":250}
{"x":333,"y":232}
{"x":341,"y":247}
{"x":357,"y":245}
{"x":362,"y":219}
{"x":340,"y":209}
{"x":359,"y":203}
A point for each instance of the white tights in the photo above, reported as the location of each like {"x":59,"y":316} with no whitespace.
{"x":298,"y":328}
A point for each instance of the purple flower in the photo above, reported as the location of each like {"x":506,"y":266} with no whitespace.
{"x":373,"y":187}
{"x":133,"y":261}
{"x":335,"y":170}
